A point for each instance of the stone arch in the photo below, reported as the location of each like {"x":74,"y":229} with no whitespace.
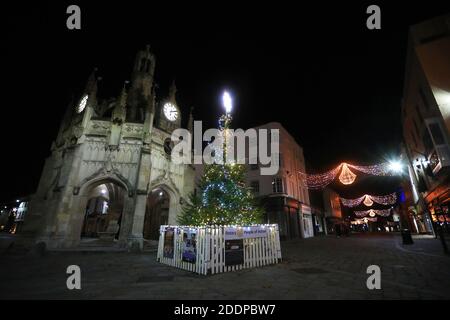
{"x":81,"y":198}
{"x":113,"y":176}
{"x":162,"y":206}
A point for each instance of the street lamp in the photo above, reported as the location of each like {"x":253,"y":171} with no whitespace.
{"x":395,"y":166}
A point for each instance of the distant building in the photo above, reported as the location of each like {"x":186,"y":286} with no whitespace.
{"x":332,"y":209}
{"x":426,"y":122}
{"x":21,"y":214}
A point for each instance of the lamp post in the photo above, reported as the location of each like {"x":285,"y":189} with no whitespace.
{"x":397,"y":167}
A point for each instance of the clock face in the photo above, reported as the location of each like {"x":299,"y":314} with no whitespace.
{"x":82,"y":104}
{"x":170,"y":111}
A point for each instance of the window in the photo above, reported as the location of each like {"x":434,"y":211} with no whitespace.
{"x":277,"y":185}
{"x":105,"y":207}
{"x":254,"y":167}
{"x":255,"y":186}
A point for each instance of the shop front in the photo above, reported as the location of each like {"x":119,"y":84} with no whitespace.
{"x":438,"y":203}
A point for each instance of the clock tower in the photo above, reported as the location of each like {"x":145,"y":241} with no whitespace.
{"x":169,"y":117}
{"x":110,"y":175}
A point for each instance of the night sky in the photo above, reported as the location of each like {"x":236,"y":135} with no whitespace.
{"x":332,"y":83}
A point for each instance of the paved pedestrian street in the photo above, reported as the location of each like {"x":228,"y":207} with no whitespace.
{"x":316,"y":268}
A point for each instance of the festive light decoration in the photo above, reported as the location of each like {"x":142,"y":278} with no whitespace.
{"x":386,"y":200}
{"x":375,"y":170}
{"x":363,"y":221}
{"x":368,"y":202}
{"x":319,"y":181}
{"x":223,"y":198}
{"x":347,"y":177}
{"x":372,"y":213}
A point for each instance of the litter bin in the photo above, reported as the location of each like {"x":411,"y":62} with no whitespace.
{"x":406,"y":236}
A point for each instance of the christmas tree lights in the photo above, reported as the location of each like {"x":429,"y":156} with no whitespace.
{"x":224,"y":198}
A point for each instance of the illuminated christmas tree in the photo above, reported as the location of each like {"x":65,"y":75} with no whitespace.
{"x":223,"y":197}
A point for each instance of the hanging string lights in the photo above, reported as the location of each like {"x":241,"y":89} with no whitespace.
{"x":372,"y":213}
{"x":319,"y":181}
{"x":363,"y":221}
{"x":347,"y":177}
{"x":368,"y":200}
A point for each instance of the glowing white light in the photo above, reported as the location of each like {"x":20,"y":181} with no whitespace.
{"x":103,"y":191}
{"x":82,"y":104}
{"x":395,"y":166}
{"x":227,"y":102}
{"x":17,"y":201}
{"x":161,"y":194}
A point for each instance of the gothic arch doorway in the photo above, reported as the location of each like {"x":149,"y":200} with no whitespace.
{"x":156,"y":213}
{"x":103,"y":211}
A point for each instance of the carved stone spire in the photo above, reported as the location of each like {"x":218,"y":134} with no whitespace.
{"x":172,"y":92}
{"x":141,"y":84}
{"x":190,"y":125}
{"x":119,"y":112}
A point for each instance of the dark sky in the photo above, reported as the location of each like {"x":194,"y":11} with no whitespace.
{"x":333,"y":84}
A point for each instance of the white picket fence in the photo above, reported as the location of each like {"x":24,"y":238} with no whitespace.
{"x":210,"y":249}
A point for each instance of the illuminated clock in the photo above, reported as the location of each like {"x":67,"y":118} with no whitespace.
{"x":82,"y":104}
{"x":170,"y":111}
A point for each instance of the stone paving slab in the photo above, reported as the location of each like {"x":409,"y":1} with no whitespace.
{"x":316,"y":268}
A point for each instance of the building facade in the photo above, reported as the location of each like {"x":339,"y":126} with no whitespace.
{"x":110,"y":173}
{"x":426,"y":122}
{"x":283,"y":195}
{"x":332,"y":209}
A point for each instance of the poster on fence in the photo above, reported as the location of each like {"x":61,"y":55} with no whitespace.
{"x":234,"y":252}
{"x":245,"y":232}
{"x":189,"y":246}
{"x":168,"y":243}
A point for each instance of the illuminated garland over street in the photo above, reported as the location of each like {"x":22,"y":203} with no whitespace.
{"x":365,"y":220}
{"x":347,"y":177}
{"x":372,"y":213}
{"x":368,"y":200}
